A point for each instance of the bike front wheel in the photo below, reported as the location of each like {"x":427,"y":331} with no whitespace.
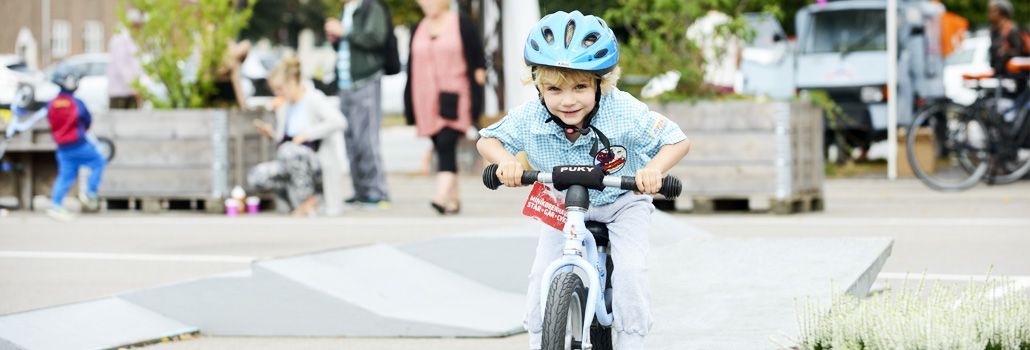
{"x":563,"y":313}
{"x":961,"y":156}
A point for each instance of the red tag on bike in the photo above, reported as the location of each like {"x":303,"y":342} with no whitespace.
{"x":546,"y":205}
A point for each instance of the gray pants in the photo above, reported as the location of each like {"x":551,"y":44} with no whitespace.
{"x":364,"y":113}
{"x":295,"y":175}
{"x":629,"y":221}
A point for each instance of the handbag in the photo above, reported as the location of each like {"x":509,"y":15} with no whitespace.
{"x":448,"y":105}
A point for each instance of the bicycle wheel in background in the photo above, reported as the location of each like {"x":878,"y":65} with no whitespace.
{"x":961,"y":157}
{"x":563,"y":314}
{"x":106,"y":148}
{"x":1011,"y":147}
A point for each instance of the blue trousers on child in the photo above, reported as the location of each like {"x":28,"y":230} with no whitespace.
{"x":69,"y":160}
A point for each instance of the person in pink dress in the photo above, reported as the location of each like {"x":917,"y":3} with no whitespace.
{"x":444,"y":93}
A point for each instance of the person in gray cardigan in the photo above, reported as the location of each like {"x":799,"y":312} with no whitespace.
{"x":310,"y":152}
{"x":360,"y":36}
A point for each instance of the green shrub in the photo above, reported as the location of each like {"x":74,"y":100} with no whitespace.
{"x":175,"y":30}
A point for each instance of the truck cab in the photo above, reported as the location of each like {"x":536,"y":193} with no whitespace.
{"x":842,"y":50}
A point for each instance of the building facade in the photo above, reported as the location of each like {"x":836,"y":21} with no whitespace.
{"x":45,"y":31}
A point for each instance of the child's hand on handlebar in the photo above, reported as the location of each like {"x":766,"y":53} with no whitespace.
{"x":510,"y":173}
{"x":649,"y":180}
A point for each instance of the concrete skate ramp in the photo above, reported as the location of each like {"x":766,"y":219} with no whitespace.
{"x":366,"y":291}
{"x":741,"y":293}
{"x":99,"y":324}
{"x":708,"y":293}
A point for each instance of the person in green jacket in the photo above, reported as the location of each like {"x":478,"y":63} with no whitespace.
{"x":360,"y":35}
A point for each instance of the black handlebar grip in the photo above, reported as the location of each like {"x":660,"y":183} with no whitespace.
{"x":529,"y":177}
{"x":629,"y":183}
{"x":490,"y":179}
{"x":671,"y":186}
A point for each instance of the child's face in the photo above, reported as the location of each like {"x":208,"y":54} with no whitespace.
{"x":570,"y":100}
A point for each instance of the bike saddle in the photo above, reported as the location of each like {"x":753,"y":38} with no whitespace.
{"x":600,"y":232}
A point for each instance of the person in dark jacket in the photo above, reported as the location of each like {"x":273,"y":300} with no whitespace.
{"x":360,"y":36}
{"x":444,"y":93}
{"x":1006,"y":41}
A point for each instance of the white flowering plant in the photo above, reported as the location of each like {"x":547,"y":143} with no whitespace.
{"x":994,"y":315}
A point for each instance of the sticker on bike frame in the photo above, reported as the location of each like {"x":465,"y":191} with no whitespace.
{"x":545,"y":204}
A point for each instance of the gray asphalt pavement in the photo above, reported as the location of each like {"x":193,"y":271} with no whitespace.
{"x":949,"y":236}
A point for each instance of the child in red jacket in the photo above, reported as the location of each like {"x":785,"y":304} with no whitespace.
{"x":69,"y":120}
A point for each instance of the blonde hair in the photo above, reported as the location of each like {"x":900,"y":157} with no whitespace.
{"x":542,"y":75}
{"x":287,"y":69}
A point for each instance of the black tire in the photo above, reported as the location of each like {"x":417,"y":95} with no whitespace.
{"x":964,"y":149}
{"x":566,"y":301}
{"x":106,"y":148}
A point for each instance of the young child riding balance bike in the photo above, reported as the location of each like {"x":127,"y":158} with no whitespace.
{"x":583,"y":119}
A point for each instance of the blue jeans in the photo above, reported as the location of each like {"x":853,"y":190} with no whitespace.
{"x":68,"y":162}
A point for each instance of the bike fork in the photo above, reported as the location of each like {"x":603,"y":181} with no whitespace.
{"x":577,"y":238}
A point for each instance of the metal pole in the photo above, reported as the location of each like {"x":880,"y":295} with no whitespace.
{"x":45,"y":33}
{"x":892,"y":88}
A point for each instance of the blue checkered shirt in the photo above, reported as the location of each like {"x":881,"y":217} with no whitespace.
{"x":636,"y":134}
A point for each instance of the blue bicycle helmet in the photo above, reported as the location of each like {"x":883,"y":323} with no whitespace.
{"x":573,"y":41}
{"x":66,"y":78}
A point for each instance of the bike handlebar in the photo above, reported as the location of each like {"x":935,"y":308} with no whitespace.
{"x":671,"y":186}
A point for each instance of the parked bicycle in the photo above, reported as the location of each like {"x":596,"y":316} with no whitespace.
{"x":578,"y":315}
{"x":987,"y":141}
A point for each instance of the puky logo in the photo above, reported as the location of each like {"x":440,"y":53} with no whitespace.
{"x":577,"y":169}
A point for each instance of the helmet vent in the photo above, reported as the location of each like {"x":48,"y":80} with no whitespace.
{"x":548,"y":35}
{"x":533,"y":44}
{"x":601,"y":53}
{"x":591,"y":39}
{"x":570,"y":29}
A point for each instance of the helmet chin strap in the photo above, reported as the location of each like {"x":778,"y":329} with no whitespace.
{"x":585,"y":130}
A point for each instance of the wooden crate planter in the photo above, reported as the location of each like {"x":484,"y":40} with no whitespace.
{"x":752,"y":152}
{"x":181,"y":154}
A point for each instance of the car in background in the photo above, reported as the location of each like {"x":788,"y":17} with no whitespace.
{"x":14,"y":72}
{"x":92,"y":68}
{"x":971,"y":58}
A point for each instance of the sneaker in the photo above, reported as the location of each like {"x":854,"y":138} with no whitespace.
{"x":374,"y":203}
{"x":90,"y":202}
{"x":368,"y":203}
{"x":60,"y":214}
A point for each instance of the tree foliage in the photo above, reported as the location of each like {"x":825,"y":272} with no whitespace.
{"x":183,"y":43}
{"x":654,"y":39}
{"x":405,"y":12}
{"x":281,"y":21}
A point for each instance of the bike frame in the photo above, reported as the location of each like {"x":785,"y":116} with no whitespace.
{"x":581,"y":253}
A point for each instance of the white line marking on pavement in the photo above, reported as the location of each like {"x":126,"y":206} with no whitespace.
{"x":745,"y":221}
{"x":127,"y":257}
{"x":207,"y":221}
{"x":950,"y":277}
{"x":1005,"y":284}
